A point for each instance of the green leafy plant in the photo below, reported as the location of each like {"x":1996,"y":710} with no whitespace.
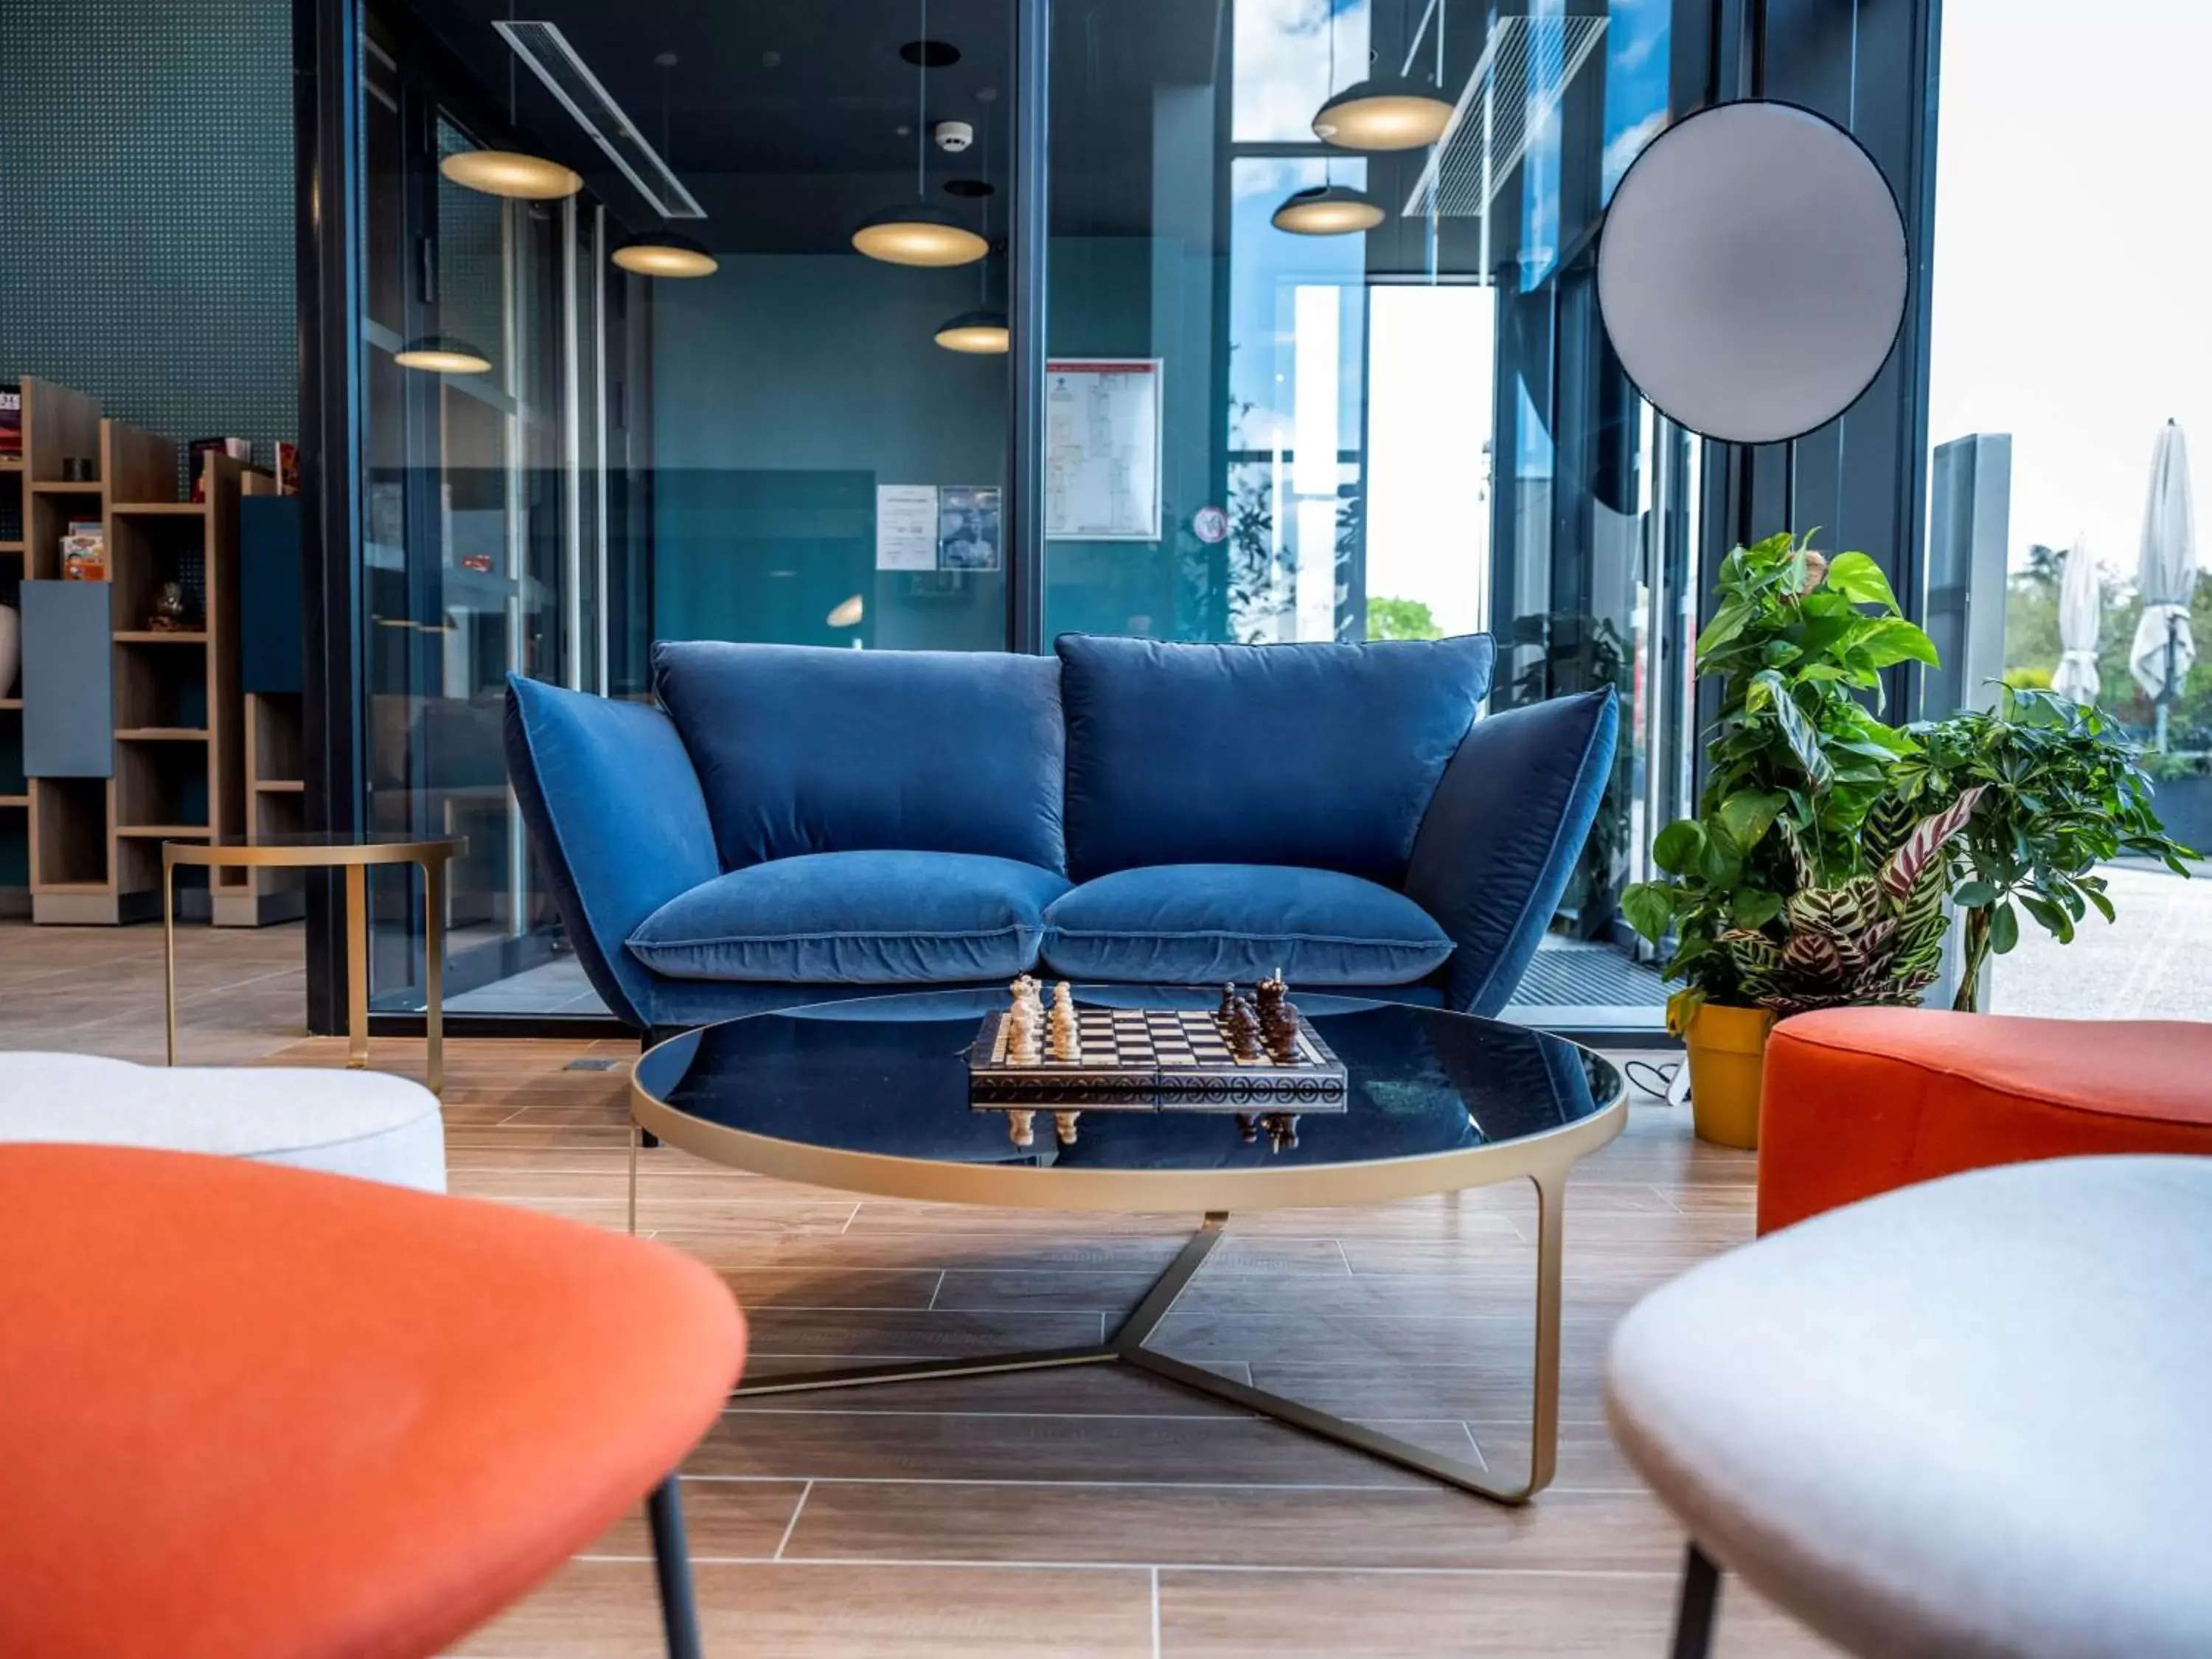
{"x":2058,"y":791}
{"x":1400,"y":619}
{"x":1871,"y":940}
{"x":1797,"y":761}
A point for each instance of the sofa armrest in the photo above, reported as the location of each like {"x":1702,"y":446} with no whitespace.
{"x":1502,"y":835}
{"x":612,"y":802}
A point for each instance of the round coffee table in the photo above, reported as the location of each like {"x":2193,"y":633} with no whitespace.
{"x":871,"y":1096}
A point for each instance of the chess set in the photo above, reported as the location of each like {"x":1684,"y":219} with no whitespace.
{"x":1256,"y":1058}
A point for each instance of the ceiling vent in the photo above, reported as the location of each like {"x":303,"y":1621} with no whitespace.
{"x":555,"y":61}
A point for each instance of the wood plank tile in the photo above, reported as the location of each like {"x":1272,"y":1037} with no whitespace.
{"x":1510,"y":1615}
{"x":606,"y":1610}
{"x":1424,"y":1526}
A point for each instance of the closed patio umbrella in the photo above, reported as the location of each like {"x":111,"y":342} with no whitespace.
{"x":2081,"y":614}
{"x":2162,"y":651}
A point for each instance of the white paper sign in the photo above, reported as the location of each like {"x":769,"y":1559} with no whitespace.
{"x":906,"y":526}
{"x":1102,"y":449}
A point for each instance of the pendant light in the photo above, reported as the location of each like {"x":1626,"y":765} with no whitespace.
{"x":509,"y":172}
{"x":1327,"y":209}
{"x":1388,"y":112}
{"x":442,"y":354}
{"x":980,"y":332}
{"x":663,"y":252}
{"x":918,"y":233}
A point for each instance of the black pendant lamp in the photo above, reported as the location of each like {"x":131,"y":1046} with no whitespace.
{"x":663,"y":252}
{"x":916,"y":234}
{"x":1327,"y":209}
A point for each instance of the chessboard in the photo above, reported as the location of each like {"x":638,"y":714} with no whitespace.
{"x":1154,"y":1059}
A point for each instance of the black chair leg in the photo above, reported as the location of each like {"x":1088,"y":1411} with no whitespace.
{"x":1701,"y":1597}
{"x":671,"y":1566}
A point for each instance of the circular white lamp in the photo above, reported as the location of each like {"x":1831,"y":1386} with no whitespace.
{"x":1752,"y":271}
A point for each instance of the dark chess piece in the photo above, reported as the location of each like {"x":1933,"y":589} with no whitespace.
{"x":1247,"y":1129}
{"x":1283,"y":1132}
{"x":1227,"y":1010}
{"x":1242,"y":1030}
{"x":1271,"y":995}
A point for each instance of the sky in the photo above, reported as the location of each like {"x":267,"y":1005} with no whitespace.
{"x":2073,"y":254}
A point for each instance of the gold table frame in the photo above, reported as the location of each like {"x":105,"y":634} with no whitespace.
{"x":1543,"y":1160}
{"x":432,"y":855}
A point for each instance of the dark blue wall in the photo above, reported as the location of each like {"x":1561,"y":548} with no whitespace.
{"x":786,"y":388}
{"x":146,"y":250}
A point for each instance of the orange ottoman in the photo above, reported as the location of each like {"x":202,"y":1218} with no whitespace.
{"x":1857,"y":1101}
{"x":254,"y":1411}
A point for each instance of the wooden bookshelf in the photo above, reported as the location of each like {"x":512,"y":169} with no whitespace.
{"x":177,"y":765}
{"x":276,"y":806}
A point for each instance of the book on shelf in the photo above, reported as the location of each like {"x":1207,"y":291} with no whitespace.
{"x":11,"y":422}
{"x":84,"y":551}
{"x":240,"y":449}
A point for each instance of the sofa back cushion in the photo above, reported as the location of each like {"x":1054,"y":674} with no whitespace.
{"x":1321,"y":755}
{"x":807,"y":749}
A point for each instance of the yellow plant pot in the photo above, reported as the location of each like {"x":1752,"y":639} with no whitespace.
{"x":1728,"y":1047}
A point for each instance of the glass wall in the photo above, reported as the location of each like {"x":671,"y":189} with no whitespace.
{"x":2048,"y":402}
{"x":1256,"y":432}
{"x":1253,"y":431}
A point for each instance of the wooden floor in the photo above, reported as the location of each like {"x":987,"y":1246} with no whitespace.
{"x":1087,"y":1512}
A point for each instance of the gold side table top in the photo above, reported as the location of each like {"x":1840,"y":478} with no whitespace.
{"x":354,"y":853}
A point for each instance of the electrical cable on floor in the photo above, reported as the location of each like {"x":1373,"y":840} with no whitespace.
{"x":1671,"y":1084}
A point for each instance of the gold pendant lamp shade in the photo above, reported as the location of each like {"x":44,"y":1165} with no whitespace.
{"x":1328,"y":210}
{"x":510,"y":172}
{"x":978,"y":333}
{"x":664,"y":253}
{"x":442,"y":354}
{"x":1384,"y":113}
{"x":918,"y":234}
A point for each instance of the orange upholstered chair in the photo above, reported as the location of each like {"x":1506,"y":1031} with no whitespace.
{"x":254,"y":1411}
{"x":1857,"y":1101}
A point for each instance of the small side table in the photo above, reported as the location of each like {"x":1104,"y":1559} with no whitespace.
{"x":354,"y":855}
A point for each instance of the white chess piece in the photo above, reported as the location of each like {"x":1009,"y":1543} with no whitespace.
{"x":1021,"y":1037}
{"x":1066,"y":1045}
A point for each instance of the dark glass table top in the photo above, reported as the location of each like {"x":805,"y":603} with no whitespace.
{"x":886,"y":1077}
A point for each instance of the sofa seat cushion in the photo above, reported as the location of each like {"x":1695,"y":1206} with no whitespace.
{"x":1201,"y":924}
{"x":876,"y":918}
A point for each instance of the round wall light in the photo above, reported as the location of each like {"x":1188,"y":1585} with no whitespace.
{"x":1752,"y":271}
{"x":442,"y":354}
{"x":915,"y":234}
{"x":664,"y":253}
{"x":1328,"y":211}
{"x":510,"y":172}
{"x":981,"y":333}
{"x":1385,"y":113}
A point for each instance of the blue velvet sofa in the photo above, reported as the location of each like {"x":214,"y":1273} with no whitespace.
{"x":793,"y":824}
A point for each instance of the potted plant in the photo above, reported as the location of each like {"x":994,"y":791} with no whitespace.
{"x":1797,"y":762}
{"x":2056,"y":791}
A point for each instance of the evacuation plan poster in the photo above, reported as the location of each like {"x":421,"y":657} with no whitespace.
{"x":1102,"y":449}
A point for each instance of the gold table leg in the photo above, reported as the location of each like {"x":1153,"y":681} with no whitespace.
{"x":434,"y":970}
{"x":169,"y":948}
{"x":357,"y":904}
{"x":1127,"y":1346}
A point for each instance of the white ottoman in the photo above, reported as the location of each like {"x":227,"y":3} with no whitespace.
{"x":1972,"y":1418}
{"x":367,"y":1124}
